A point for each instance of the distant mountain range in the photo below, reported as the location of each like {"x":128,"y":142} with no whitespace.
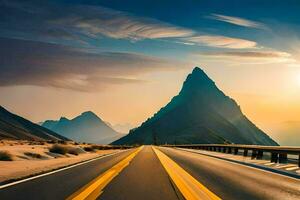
{"x":15,"y":127}
{"x":200,"y":113}
{"x":87,"y":127}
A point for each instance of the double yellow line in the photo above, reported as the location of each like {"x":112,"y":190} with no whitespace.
{"x":94,"y":189}
{"x":189,"y":187}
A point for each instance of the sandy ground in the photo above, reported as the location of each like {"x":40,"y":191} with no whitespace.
{"x":23,"y":165}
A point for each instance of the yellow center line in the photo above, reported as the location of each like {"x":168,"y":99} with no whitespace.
{"x":189,"y":187}
{"x":95,"y":188}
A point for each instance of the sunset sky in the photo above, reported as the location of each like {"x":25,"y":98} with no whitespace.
{"x":124,"y":60}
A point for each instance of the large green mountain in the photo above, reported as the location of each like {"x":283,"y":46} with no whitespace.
{"x":15,"y":127}
{"x":200,"y":113}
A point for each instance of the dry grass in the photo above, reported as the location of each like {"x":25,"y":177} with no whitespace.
{"x":64,"y":149}
{"x":34,"y":155}
{"x":60,"y":149}
{"x":5,"y":156}
{"x":88,"y":148}
{"x":75,"y":151}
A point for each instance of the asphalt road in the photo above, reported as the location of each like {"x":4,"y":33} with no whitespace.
{"x":145,"y":178}
{"x":234,"y":181}
{"x":62,"y":184}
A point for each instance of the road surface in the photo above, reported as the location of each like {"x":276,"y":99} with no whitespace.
{"x":162,"y":174}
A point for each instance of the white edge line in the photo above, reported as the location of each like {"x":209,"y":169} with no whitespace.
{"x":58,"y":170}
{"x":251,"y":167}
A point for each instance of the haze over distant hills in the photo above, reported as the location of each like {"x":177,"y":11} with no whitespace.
{"x":15,"y":127}
{"x":287,"y":133}
{"x":87,"y":127}
{"x":200,"y":113}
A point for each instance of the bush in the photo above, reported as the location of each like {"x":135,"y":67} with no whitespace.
{"x":63,"y":149}
{"x":75,"y":151}
{"x":62,"y":142}
{"x":60,"y":149}
{"x":5,"y":156}
{"x":88,"y":148}
{"x":41,"y":143}
{"x":33,"y":155}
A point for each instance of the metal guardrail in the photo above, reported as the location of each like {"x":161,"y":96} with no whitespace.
{"x":109,"y":147}
{"x":278,"y":154}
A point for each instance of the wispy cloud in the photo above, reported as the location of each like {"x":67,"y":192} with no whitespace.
{"x":51,"y":65}
{"x":221,"y":41}
{"x":250,"y":54}
{"x":121,"y":25}
{"x":250,"y":57}
{"x":238,"y":21}
{"x":79,"y":24}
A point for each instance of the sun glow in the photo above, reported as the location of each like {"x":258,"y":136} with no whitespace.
{"x":298,"y":79}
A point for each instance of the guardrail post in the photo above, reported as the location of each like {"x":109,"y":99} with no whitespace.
{"x":299,"y":160}
{"x":254,"y":154}
{"x":245,"y":152}
{"x":260,"y":154}
{"x":236,"y":151}
{"x":283,"y":158}
{"x":229,"y":150}
{"x":224,"y":149}
{"x":274,"y":157}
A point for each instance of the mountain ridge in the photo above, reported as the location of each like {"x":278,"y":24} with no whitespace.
{"x":86,"y":127}
{"x":13,"y":126}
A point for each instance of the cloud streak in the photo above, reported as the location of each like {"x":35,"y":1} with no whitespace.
{"x":78,"y":25}
{"x":50,"y":65}
{"x":250,"y":57}
{"x":120,"y":25}
{"x":238,"y":21}
{"x":221,"y":42}
{"x":249,"y":54}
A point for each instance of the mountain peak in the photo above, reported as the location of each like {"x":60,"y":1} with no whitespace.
{"x":199,"y":74}
{"x":63,"y":119}
{"x":196,"y":80}
{"x":197,"y":70}
{"x":89,"y":114}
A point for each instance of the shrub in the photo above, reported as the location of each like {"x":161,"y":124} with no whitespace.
{"x":75,"y":151}
{"x":5,"y":156}
{"x":33,"y":155}
{"x":63,"y":149}
{"x":41,"y":143}
{"x":88,"y":148}
{"x":60,"y":149}
{"x":62,"y":142}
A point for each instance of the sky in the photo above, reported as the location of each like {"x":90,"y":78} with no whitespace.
{"x":124,"y":60}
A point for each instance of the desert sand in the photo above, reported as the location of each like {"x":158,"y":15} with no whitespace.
{"x":24,"y":165}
